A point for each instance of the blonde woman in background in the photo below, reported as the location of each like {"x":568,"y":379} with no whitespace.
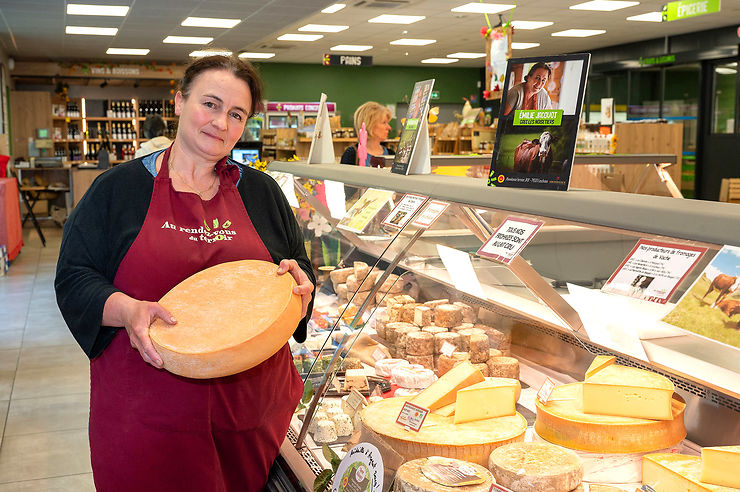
{"x":377,"y":123}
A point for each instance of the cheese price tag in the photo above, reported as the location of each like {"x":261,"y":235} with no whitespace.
{"x":378,"y":355}
{"x":545,"y":391}
{"x":412,"y":416}
{"x":402,"y":212}
{"x":509,"y":239}
{"x":500,"y":488}
{"x":447,"y":349}
{"x":355,"y":399}
{"x":430,"y":214}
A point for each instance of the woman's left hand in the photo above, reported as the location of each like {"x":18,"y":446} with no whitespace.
{"x":304,"y":287}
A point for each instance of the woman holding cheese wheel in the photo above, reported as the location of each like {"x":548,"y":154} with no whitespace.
{"x":127,"y":243}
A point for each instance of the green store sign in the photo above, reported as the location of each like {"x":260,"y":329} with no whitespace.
{"x":684,"y":9}
{"x":552,"y":117}
{"x":657,"y":60}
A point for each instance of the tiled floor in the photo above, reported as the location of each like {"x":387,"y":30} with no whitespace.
{"x":44,"y":380}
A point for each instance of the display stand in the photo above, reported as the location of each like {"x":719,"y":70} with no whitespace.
{"x":420,"y":162}
{"x":322,"y":146}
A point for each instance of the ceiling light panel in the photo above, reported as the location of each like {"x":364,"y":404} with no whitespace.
{"x":466,"y":55}
{"x":127,"y":51}
{"x":85,"y":9}
{"x":529,"y":25}
{"x":604,"y":5}
{"x":649,"y":17}
{"x":92,"y":31}
{"x":351,"y":47}
{"x":210,"y":22}
{"x":578,"y":33}
{"x":187,"y":40}
{"x":523,"y":46}
{"x":322,"y":28}
{"x":396,"y":19}
{"x":483,"y":8}
{"x":254,"y":56}
{"x":300,"y":37}
{"x":333,"y":8}
{"x":413,"y":42}
{"x":202,"y":53}
{"x":440,"y":60}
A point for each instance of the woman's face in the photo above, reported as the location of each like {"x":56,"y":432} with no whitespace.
{"x":381,"y":128}
{"x":213,"y":115}
{"x":537,"y":80}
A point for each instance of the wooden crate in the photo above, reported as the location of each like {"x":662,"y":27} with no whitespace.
{"x":729,"y":190}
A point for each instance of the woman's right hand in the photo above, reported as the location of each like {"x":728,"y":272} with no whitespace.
{"x":136,"y":316}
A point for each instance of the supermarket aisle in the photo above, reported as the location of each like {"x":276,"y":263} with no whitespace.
{"x":44,"y":380}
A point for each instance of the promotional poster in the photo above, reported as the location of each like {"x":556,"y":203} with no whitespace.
{"x":538,"y":123}
{"x":415,"y":119}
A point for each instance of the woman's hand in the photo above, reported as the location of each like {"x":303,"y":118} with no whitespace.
{"x":304,"y":287}
{"x":136,"y":317}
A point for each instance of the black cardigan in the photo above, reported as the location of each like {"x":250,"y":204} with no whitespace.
{"x":350,"y":155}
{"x":104,"y":224}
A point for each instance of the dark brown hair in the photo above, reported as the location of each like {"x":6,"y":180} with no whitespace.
{"x":241,"y":69}
{"x":537,"y":66}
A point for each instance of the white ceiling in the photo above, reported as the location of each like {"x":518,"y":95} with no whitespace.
{"x":34,"y":29}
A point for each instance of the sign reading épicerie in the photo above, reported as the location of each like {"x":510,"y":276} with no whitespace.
{"x":684,"y":9}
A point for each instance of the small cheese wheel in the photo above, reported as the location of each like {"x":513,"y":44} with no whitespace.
{"x":412,"y":376}
{"x":230,"y":318}
{"x":469,"y":332}
{"x":419,"y":343}
{"x":343,"y":425}
{"x":407,"y":312}
{"x":360,"y":284}
{"x":423,"y":315}
{"x":469,"y":314}
{"x":482,"y":367}
{"x":462,"y":326}
{"x":435,"y":303}
{"x":384,"y":367}
{"x":409,"y":478}
{"x":427,"y":361}
{"x":479,"y":357}
{"x":436,"y":361}
{"x":339,"y":276}
{"x":314,"y":424}
{"x":444,"y":364}
{"x":447,"y":315}
{"x":402,"y":334}
{"x":341,"y":291}
{"x":394,"y":312}
{"x":478,"y":342}
{"x":405,"y":299}
{"x":359,"y":297}
{"x":496,"y":338}
{"x":391,"y":330}
{"x":391,"y":285}
{"x":361,"y":269}
{"x":536,"y":467}
{"x":434,"y":329}
{"x":326,"y":431}
{"x":449,"y":337}
{"x":494,"y":353}
{"x":380,"y":327}
{"x":503,"y":367}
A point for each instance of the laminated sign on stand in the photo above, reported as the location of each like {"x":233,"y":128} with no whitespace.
{"x":414,"y":154}
{"x":322,"y":145}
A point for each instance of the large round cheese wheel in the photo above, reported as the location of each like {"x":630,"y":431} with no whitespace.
{"x":410,"y":478}
{"x":230,"y":317}
{"x":563,"y":422}
{"x":536,"y":467}
{"x":439,"y":436}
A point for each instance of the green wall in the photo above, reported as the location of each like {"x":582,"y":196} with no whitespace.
{"x":349,"y":87}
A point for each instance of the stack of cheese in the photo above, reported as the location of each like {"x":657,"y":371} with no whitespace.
{"x":718,"y":470}
{"x":360,"y":279}
{"x":334,"y":418}
{"x":617,"y":409}
{"x":470,"y":416}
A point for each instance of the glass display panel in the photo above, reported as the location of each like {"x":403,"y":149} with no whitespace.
{"x":724,"y":87}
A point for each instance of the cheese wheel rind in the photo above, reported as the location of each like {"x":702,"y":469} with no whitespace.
{"x":536,"y":467}
{"x":409,"y":478}
{"x":260,"y":307}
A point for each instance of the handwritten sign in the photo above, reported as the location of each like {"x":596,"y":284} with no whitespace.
{"x":653,"y":270}
{"x":412,"y":416}
{"x":430,"y":214}
{"x":508,"y":241}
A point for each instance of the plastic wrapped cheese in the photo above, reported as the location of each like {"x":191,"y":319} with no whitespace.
{"x":412,"y":376}
{"x":384,"y":367}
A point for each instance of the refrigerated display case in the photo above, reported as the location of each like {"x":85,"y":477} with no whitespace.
{"x":548,"y":304}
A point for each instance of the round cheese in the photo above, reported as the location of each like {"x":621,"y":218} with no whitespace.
{"x":469,"y":332}
{"x":409,"y":478}
{"x":384,"y":367}
{"x":394,"y":312}
{"x":423,"y":315}
{"x":341,"y":290}
{"x":339,"y":276}
{"x":426,"y":361}
{"x":444,"y":364}
{"x":449,"y":337}
{"x":479,"y":357}
{"x":497,"y":339}
{"x":419,"y":343}
{"x":343,"y":425}
{"x":412,"y":376}
{"x":494,"y":353}
{"x":536,"y":467}
{"x":447,"y":315}
{"x":503,"y":367}
{"x":462,"y":326}
{"x":230,"y":318}
{"x":402,"y":334}
{"x":436,"y":302}
{"x":380,"y":327}
{"x":433,"y":329}
{"x":407,"y":312}
{"x":326,"y":431}
{"x":563,"y":422}
{"x":439,"y":436}
{"x":393,"y":328}
{"x":469,"y":314}
{"x":483,"y":368}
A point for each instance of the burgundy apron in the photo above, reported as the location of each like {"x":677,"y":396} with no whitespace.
{"x":153,"y":430}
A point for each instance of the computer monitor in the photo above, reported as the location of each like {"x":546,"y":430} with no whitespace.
{"x":246,"y":152}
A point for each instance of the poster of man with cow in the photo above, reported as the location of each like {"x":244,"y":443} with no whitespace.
{"x":711,"y":307}
{"x":538,"y":122}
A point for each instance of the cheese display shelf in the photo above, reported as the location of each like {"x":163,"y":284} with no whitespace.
{"x":527,"y":309}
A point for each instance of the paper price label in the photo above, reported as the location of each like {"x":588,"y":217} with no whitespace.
{"x":509,"y":239}
{"x":545,"y":391}
{"x":379,"y":355}
{"x":412,"y":416}
{"x":402,"y":212}
{"x":430,"y":214}
{"x":355,"y":399}
{"x":447,"y":349}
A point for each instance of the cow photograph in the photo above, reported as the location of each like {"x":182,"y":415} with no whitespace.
{"x":711,"y":307}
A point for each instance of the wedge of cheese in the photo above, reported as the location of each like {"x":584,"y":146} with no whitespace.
{"x":230,"y":317}
{"x":669,"y":472}
{"x":446,"y":411}
{"x":494,"y":397}
{"x":444,"y":390}
{"x":721,"y":466}
{"x":599,"y":362}
{"x":628,"y":392}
